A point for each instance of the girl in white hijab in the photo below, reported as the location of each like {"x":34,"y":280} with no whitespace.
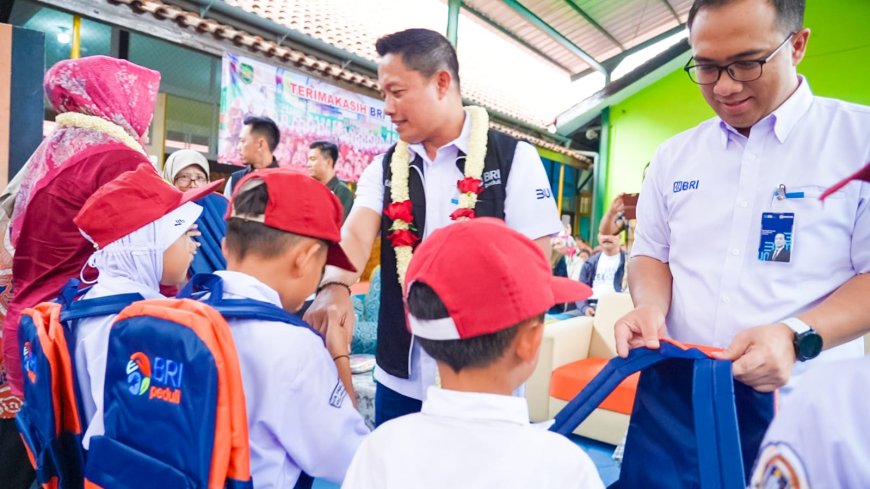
{"x":143,"y":230}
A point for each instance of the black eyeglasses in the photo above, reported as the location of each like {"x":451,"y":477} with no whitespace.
{"x":186,"y":180}
{"x":739,"y":71}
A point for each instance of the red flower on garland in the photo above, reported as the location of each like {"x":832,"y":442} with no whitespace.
{"x":403,"y":237}
{"x":462,"y":212}
{"x":470,"y":184}
{"x":400,"y":211}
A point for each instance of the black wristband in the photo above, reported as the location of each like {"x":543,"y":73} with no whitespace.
{"x":340,"y":356}
{"x":327,"y":284}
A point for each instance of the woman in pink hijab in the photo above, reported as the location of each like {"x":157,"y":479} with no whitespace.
{"x":104,"y":109}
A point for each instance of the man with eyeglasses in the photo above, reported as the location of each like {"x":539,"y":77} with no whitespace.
{"x":717,"y":196}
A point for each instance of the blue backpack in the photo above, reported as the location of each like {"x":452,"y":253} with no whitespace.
{"x":692,"y":425}
{"x":213,"y":226}
{"x":50,"y":421}
{"x":208,"y":288}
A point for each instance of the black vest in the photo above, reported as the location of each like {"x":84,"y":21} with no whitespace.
{"x":394,"y":340}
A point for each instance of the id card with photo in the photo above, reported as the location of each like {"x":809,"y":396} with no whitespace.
{"x":776,"y":242}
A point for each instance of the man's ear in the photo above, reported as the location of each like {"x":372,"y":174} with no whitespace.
{"x":799,"y":46}
{"x":443,"y":82}
{"x":528,"y":340}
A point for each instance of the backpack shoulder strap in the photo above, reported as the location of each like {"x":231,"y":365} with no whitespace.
{"x":212,"y":285}
{"x":101,"y":306}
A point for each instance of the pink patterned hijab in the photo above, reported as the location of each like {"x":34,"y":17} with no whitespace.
{"x":113,"y":89}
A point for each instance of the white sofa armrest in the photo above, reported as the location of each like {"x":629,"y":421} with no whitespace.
{"x":563,"y":342}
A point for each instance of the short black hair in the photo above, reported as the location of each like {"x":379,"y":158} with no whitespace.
{"x":326,"y":148}
{"x":422,"y":50}
{"x":789,"y":13}
{"x":266,"y":127}
{"x":479,"y":351}
{"x":246,"y":237}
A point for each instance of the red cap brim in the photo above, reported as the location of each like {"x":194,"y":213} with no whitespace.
{"x":567,"y":290}
{"x":198,"y":193}
{"x":862,"y":174}
{"x":335,"y":256}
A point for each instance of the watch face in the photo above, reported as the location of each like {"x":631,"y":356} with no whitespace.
{"x":809,"y":345}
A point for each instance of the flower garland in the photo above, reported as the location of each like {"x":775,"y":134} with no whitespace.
{"x":74,"y":119}
{"x":401,"y":210}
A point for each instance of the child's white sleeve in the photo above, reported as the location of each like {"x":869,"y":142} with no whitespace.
{"x":320,"y":428}
{"x":366,"y":470}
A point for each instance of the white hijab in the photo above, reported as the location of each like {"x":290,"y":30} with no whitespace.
{"x":134,"y":263}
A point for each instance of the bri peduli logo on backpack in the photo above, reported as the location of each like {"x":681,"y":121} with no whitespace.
{"x":162,"y":382}
{"x":29,"y":362}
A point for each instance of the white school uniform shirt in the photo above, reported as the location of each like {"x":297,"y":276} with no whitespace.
{"x":821,"y":437}
{"x":299,"y":415}
{"x":529,"y":208}
{"x":700,"y":212}
{"x":91,"y":348}
{"x":469,"y":440}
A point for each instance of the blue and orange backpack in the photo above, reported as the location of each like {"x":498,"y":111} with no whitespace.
{"x":174,"y":408}
{"x":50,"y":421}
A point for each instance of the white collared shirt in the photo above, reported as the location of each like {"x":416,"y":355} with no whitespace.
{"x":527,"y":210}
{"x":821,"y":437}
{"x":299,"y":415}
{"x":469,"y":440}
{"x":700,"y":212}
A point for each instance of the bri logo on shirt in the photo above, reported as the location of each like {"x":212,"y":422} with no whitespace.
{"x":167,"y":375}
{"x":681,"y":185}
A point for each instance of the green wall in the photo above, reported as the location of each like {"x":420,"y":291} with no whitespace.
{"x":835,"y":65}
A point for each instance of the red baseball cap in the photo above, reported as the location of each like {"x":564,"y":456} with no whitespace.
{"x":130,"y":201}
{"x":862,"y":174}
{"x":300,"y":205}
{"x":489,"y":277}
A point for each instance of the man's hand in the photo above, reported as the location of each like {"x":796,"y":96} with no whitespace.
{"x":763,"y":356}
{"x":643,"y":326}
{"x":332,"y":306}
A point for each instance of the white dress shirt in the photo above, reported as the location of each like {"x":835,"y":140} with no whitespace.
{"x":469,"y":440}
{"x":700,"y":212}
{"x":821,"y":437}
{"x":527,"y":210}
{"x":299,"y":415}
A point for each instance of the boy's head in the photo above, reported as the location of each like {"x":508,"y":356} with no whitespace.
{"x":282,"y":228}
{"x":477,"y":293}
{"x":141,"y":227}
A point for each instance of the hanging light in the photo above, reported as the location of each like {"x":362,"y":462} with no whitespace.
{"x":63,"y":35}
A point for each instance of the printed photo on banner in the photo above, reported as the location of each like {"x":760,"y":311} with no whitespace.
{"x":306,"y":109}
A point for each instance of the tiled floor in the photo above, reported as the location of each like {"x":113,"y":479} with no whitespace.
{"x":600,"y":453}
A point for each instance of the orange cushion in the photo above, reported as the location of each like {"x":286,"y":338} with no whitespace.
{"x":568,"y":380}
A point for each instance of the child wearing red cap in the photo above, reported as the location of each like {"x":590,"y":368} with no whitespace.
{"x":482,"y":322}
{"x":141,"y":228}
{"x":283,"y":228}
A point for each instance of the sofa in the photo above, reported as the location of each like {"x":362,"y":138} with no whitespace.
{"x":572,"y":352}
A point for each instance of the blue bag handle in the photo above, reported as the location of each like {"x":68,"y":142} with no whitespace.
{"x":613,"y":373}
{"x":101,"y":306}
{"x":716,"y":430}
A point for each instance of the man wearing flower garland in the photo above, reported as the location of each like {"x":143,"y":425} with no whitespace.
{"x":447,"y":165}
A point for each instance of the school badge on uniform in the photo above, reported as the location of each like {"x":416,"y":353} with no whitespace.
{"x":778,"y":467}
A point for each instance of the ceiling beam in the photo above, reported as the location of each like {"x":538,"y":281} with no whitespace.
{"x":536,"y":21}
{"x":594,"y":23}
{"x":473,"y":11}
{"x":674,"y":12}
{"x":612,"y":63}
